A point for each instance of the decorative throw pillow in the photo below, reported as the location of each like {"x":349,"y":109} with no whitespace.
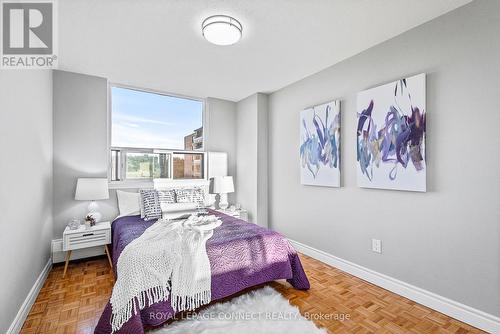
{"x":166,"y":196}
{"x":198,"y":196}
{"x":150,"y":203}
{"x":195,"y":195}
{"x":141,"y":206}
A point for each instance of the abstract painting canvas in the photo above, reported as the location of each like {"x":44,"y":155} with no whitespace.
{"x":391,"y":136}
{"x":320,"y":145}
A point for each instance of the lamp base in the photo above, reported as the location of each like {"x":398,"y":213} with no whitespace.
{"x":223,"y":204}
{"x":93,"y":211}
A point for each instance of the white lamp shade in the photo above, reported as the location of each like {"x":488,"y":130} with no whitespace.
{"x":88,"y":189}
{"x":223,"y":185}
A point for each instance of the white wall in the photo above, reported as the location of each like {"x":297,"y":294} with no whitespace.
{"x":25,"y":184}
{"x":246,"y":153}
{"x":262,"y":159}
{"x":251,"y":152}
{"x":446,"y":240}
{"x":80,"y":142}
{"x":220,"y":129}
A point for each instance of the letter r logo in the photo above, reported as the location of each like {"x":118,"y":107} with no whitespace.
{"x":27,"y":28}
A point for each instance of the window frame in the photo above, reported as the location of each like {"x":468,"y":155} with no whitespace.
{"x":137,"y":183}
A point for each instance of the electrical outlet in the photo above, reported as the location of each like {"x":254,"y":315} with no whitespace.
{"x":377,"y":246}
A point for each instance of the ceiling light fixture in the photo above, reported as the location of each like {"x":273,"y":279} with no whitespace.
{"x":221,"y":29}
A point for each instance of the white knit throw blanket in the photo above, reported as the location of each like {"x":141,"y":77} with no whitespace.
{"x":168,"y":260}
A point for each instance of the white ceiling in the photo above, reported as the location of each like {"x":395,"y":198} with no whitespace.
{"x":158,"y":44}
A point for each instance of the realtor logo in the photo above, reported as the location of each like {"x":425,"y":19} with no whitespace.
{"x":28,"y":32}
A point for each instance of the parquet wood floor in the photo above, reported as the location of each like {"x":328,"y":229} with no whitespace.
{"x":75,"y":303}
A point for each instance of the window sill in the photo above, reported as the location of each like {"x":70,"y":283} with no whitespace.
{"x":130,"y":184}
{"x":157,"y":183}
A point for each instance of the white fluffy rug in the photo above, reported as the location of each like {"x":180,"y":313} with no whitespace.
{"x":259,"y":311}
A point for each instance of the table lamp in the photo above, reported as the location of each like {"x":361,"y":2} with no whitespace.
{"x":92,"y":189}
{"x":222,"y":186}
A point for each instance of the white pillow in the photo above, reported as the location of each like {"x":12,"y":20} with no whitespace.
{"x":177,"y":210}
{"x":129,"y":204}
{"x":175,"y":207}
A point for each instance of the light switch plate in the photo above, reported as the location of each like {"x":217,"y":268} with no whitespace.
{"x":377,"y":246}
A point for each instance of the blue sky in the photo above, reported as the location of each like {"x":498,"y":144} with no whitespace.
{"x":148,"y":120}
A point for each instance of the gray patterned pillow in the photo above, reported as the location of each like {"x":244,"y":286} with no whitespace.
{"x":195,"y":195}
{"x":150,"y":203}
{"x":166,"y":196}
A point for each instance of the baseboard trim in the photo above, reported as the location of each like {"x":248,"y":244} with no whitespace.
{"x":459,"y":311}
{"x":21,"y":316}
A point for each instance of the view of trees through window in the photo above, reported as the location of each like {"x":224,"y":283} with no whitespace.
{"x":147,"y":166}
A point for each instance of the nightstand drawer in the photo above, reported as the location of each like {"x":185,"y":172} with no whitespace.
{"x":240,"y":214}
{"x":86,"y":239}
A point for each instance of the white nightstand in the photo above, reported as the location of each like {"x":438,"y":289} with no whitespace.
{"x":241,"y":214}
{"x":97,"y":235}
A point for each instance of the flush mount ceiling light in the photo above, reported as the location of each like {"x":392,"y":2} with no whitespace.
{"x":221,"y":29}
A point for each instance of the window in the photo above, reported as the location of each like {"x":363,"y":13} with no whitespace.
{"x":155,"y":136}
{"x":188,"y":166}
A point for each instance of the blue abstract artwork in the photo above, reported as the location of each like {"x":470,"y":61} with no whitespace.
{"x":320,"y":145}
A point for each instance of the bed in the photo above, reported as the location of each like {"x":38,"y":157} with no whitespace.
{"x":241,"y":255}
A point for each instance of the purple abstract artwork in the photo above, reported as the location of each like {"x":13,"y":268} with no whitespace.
{"x":391,"y":135}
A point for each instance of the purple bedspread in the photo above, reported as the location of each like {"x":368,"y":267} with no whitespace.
{"x":241,"y":255}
